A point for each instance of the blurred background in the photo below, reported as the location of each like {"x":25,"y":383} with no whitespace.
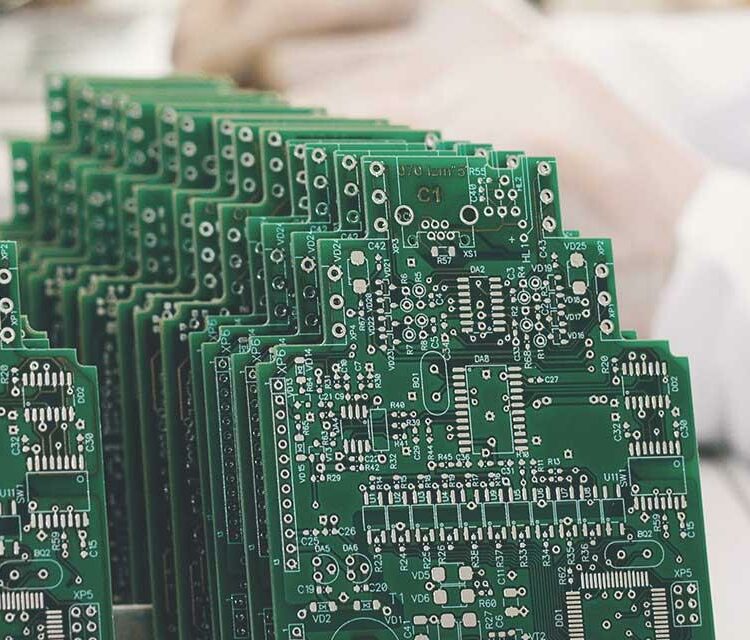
{"x":640,"y":100}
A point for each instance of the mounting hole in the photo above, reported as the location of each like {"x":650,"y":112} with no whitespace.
{"x":404,"y":215}
{"x":606,"y":326}
{"x":469,"y":215}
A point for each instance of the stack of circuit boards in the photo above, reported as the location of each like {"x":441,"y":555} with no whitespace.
{"x":355,"y":382}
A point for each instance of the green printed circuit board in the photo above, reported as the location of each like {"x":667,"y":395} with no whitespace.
{"x":287,"y":375}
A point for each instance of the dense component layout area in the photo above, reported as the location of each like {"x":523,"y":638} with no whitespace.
{"x":54,"y":555}
{"x":356,"y":382}
{"x":474,"y":453}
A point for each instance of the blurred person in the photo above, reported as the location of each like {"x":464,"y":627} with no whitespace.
{"x":487,"y":71}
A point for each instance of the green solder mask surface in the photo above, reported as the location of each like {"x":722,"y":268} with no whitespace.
{"x":98,"y":338}
{"x":99,"y":227}
{"x":475,"y":452}
{"x":228,"y":380}
{"x":452,"y":439}
{"x":179,"y":472}
{"x":74,"y":119}
{"x":129,"y":151}
{"x":103,"y":232}
{"x":176,"y":450}
{"x":83,"y":213}
{"x":122,"y":134}
{"x":110,"y":231}
{"x":234,"y":523}
{"x":156,"y":383}
{"x":54,"y":555}
{"x":28,"y":223}
{"x":233,"y":438}
{"x":147,"y":361}
{"x":164,"y":247}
